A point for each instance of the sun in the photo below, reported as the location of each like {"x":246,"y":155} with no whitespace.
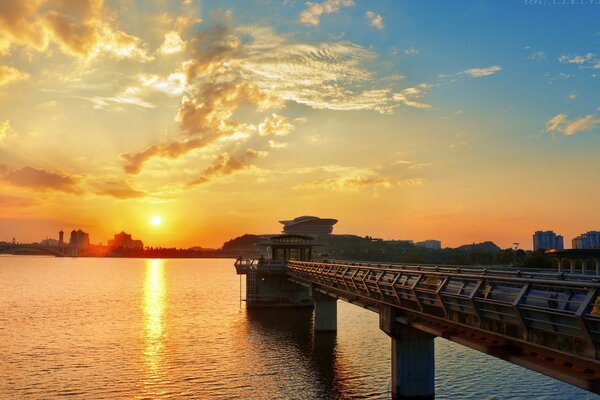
{"x":156,"y":220}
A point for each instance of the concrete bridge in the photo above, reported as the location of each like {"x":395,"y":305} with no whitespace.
{"x":545,"y":321}
{"x":57,"y":251}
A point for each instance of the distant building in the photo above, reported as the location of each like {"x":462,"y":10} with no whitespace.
{"x":309,"y":225}
{"x":61,"y":237}
{"x":79,"y":239}
{"x":547,"y":240}
{"x":125,"y":241}
{"x":430,"y":244}
{"x":589,"y":240}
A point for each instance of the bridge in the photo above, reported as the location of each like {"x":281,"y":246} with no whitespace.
{"x":548,"y":322}
{"x":57,"y":251}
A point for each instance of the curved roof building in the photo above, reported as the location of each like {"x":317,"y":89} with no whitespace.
{"x":309,"y":225}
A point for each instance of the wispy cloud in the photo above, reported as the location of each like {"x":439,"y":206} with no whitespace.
{"x":411,"y":51}
{"x":277,"y":145}
{"x":314,"y":11}
{"x":351,"y":179}
{"x":576,"y":59}
{"x":375,"y":20}
{"x":560,"y":123}
{"x":4,"y":130}
{"x":10,"y":74}
{"x":537,"y":56}
{"x":480,"y":72}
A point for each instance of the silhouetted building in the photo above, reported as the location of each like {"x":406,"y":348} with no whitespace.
{"x":547,"y":240}
{"x":79,"y":239}
{"x":125,"y":241}
{"x":430,"y":244}
{"x":61,"y":237}
{"x":589,"y":240}
{"x":309,"y":225}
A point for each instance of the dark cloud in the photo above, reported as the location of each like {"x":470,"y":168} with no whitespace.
{"x":226,"y":164}
{"x":119,"y":190}
{"x":39,"y":179}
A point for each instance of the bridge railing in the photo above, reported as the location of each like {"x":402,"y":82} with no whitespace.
{"x":559,"y":311}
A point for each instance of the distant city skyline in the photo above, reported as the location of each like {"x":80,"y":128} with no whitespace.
{"x":191,"y":122}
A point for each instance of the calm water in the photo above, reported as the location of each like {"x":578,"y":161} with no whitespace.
{"x":173,"y":329}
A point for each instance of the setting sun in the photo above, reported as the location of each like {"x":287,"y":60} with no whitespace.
{"x":156,"y":220}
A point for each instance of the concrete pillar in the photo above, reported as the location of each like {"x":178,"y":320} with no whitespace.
{"x":559,"y":265}
{"x":584,"y":266}
{"x":571,"y":266}
{"x":325,"y":312}
{"x":597,"y":260}
{"x":413,"y":359}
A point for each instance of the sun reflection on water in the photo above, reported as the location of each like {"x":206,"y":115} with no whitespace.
{"x":154,"y":307}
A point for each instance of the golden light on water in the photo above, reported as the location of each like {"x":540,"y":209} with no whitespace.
{"x":154,"y":306}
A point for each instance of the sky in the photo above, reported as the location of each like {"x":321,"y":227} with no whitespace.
{"x":189,"y":122}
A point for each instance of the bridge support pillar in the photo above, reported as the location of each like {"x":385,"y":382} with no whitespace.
{"x":325,"y":312}
{"x":413,"y":360}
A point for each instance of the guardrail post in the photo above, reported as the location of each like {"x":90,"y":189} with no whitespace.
{"x":413,"y":360}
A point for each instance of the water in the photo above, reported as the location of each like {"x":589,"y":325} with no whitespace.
{"x":172,"y":329}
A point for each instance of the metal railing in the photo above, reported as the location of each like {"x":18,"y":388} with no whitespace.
{"x":557,"y":311}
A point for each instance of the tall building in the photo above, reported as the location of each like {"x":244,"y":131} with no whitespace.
{"x":547,"y":240}
{"x":430,"y":244}
{"x":309,"y":225}
{"x":125,"y":241}
{"x":79,"y":239}
{"x":589,"y":240}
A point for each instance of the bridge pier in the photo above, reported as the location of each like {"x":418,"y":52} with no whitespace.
{"x":413,"y":359}
{"x":325,"y":312}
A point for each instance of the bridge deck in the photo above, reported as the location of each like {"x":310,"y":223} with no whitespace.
{"x":547,"y":322}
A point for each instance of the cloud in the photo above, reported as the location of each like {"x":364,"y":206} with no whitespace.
{"x":343,"y":178}
{"x":40,"y":179}
{"x":83,"y":29}
{"x":277,"y":125}
{"x":375,"y":20}
{"x":480,"y":72}
{"x":411,"y":51}
{"x":559,"y":123}
{"x":254,"y":66}
{"x":576,"y":59}
{"x":4,"y":130}
{"x":556,"y":123}
{"x":118,"y":189}
{"x":173,"y":84}
{"x":277,"y":145}
{"x":226,"y":164}
{"x":172,"y":43}
{"x":409,"y":96}
{"x":10,"y":74}
{"x":536,"y":56}
{"x":313,"y":12}
{"x":350,"y":183}
{"x":131,"y":96}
